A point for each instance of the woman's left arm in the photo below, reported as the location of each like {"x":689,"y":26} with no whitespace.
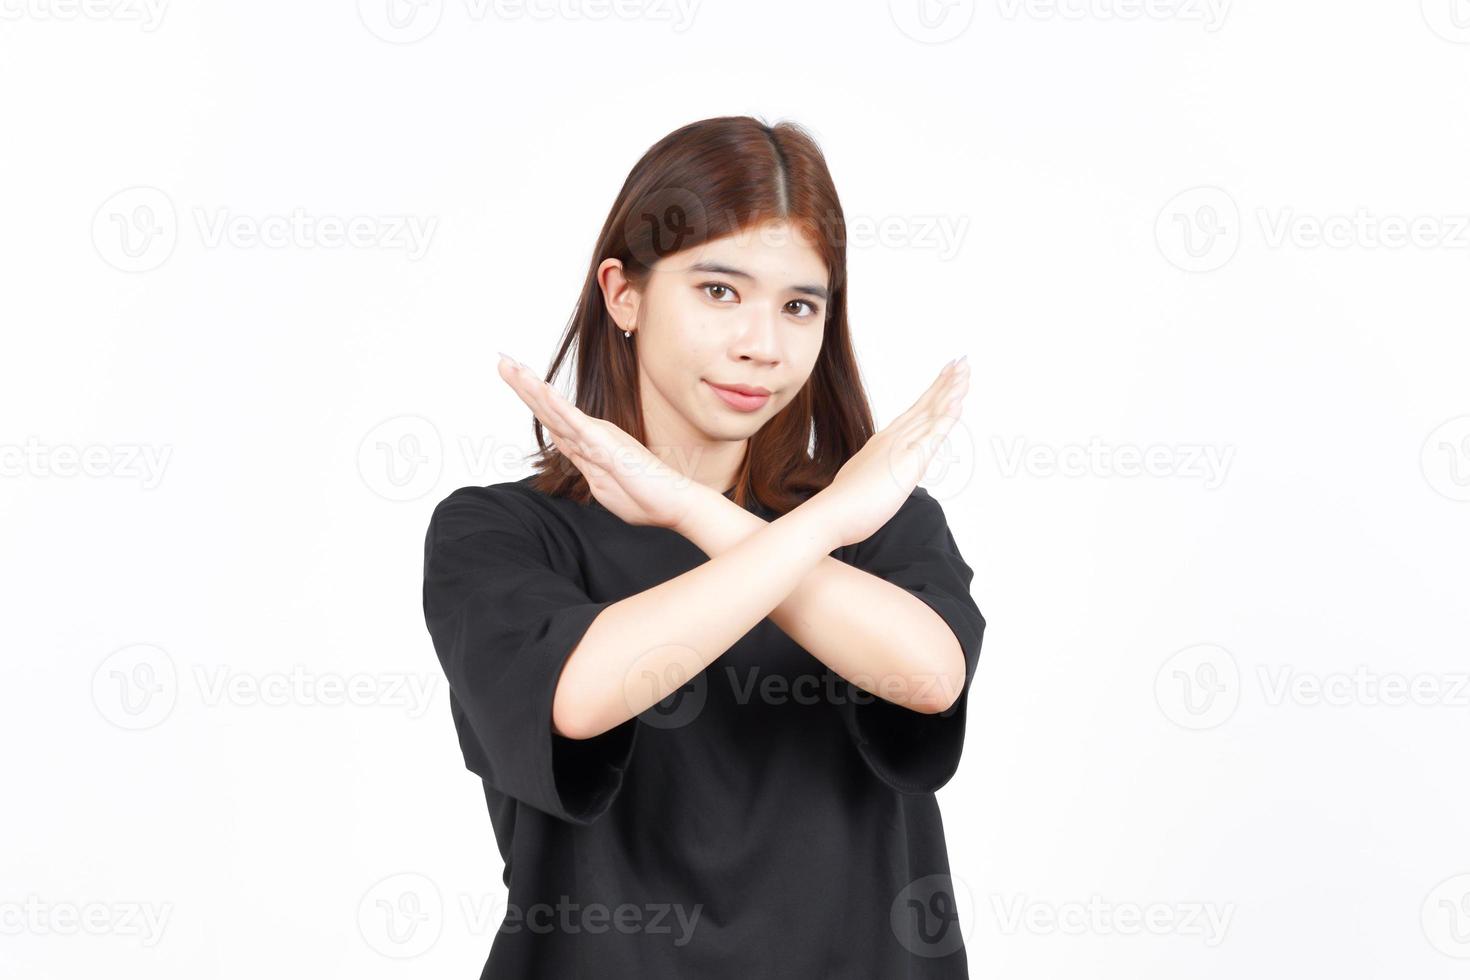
{"x":878,"y":636}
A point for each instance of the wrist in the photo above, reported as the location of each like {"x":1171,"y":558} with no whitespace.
{"x":816,"y":513}
{"x":705,"y":505}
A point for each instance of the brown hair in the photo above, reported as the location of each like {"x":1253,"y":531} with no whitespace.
{"x":703,"y":181}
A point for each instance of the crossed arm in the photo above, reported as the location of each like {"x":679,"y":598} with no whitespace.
{"x":874,"y":634}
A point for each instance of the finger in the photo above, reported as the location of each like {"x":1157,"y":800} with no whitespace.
{"x":941,"y":392}
{"x":913,"y":425}
{"x":568,"y":417}
{"x":589,"y":469}
{"x":929,"y":445}
{"x":939,"y":427}
{"x":942,"y":395}
{"x":532,"y":390}
{"x":583,"y":465}
{"x":591,"y":443}
{"x":945,"y":373}
{"x":949,"y":409}
{"x":593,"y":438}
{"x":520,"y":379}
{"x":932,"y":398}
{"x":556,"y":412}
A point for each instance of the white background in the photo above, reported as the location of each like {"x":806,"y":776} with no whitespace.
{"x":1193,"y":230}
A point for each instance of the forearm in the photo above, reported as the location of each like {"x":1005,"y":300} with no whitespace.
{"x":880,"y":637}
{"x":643,"y":648}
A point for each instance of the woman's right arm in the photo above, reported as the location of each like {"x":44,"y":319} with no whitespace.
{"x":641,"y":649}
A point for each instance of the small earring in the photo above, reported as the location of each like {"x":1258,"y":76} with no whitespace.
{"x":627,"y":334}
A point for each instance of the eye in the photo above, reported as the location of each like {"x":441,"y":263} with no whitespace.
{"x":716,"y":285}
{"x":810,"y":306}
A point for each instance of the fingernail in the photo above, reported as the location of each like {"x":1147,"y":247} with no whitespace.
{"x":962,"y":359}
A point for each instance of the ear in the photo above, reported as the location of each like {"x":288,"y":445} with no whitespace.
{"x":619,"y":295}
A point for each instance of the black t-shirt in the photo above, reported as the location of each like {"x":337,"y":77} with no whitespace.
{"x":769,"y":820}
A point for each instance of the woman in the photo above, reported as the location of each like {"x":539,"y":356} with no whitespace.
{"x":711,"y":660}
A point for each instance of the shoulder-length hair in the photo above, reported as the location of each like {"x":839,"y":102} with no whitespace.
{"x":704,"y":181}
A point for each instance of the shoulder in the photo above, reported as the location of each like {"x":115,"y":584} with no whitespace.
{"x":510,"y":507}
{"x":920,"y":509}
{"x":920,"y":519}
{"x":920,"y":500}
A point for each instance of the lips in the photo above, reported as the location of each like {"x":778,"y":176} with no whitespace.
{"x":742,"y":398}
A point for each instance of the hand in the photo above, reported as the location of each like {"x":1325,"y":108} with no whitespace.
{"x":874,"y":483}
{"x":623,"y":475}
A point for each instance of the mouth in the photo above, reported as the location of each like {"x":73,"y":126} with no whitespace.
{"x":742,"y":398}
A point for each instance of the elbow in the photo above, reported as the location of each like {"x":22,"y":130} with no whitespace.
{"x":932,"y":702}
{"x":941,"y":687}
{"x":571,"y":720}
{"x":574,"y":727}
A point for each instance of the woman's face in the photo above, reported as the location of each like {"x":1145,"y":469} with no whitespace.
{"x":745,"y":310}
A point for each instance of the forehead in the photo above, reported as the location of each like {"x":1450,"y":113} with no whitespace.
{"x":776,"y":254}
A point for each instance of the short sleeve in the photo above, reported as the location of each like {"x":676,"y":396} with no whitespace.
{"x":910,"y":751}
{"x":503,"y":622}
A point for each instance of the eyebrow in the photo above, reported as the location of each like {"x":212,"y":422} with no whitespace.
{"x":724,"y":270}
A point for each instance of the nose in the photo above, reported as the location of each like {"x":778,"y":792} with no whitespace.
{"x":759,"y":339}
